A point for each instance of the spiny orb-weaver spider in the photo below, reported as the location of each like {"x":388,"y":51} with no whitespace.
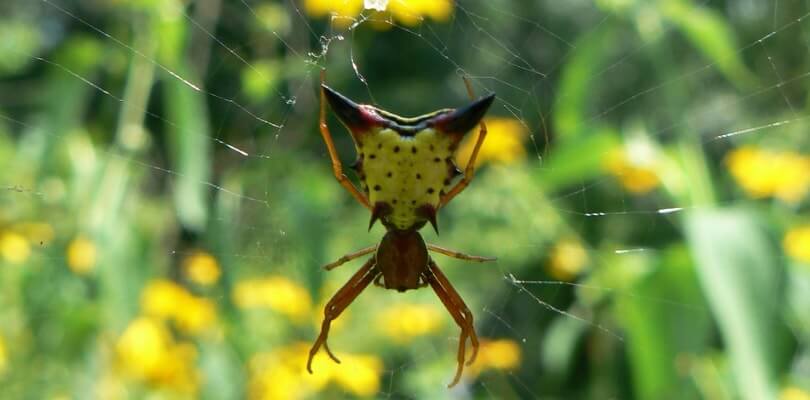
{"x":406,"y":169}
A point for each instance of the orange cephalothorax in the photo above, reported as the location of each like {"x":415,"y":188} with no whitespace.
{"x":402,"y":258}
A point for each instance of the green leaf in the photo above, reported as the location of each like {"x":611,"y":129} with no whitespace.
{"x":190,"y":145}
{"x":577,"y":83}
{"x":578,"y":159}
{"x":710,"y":33}
{"x":665,"y":319}
{"x":742,"y":283}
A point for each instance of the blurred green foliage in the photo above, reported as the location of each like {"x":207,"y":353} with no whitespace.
{"x":167,"y":200}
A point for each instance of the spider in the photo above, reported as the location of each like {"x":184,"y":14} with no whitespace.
{"x":406,"y":171}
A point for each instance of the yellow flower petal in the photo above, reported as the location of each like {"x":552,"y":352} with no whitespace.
{"x":406,"y":12}
{"x":277,"y":293}
{"x":81,"y":255}
{"x":403,"y":322}
{"x":501,"y":354}
{"x":147,"y":351}
{"x":412,"y":12}
{"x":797,"y":243}
{"x":279,"y":374}
{"x":439,"y":10}
{"x":143,"y":346}
{"x":344,"y":12}
{"x":634,"y":168}
{"x":195,"y":314}
{"x":794,"y":393}
{"x":14,"y":247}
{"x":168,"y":300}
{"x":202,"y":268}
{"x":567,"y":259}
{"x":3,"y":356}
{"x":768,"y":173}
{"x":359,"y":374}
{"x":503,"y":144}
{"x":161,"y":298}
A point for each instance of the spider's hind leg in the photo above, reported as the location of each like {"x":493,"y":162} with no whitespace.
{"x":345,"y":296}
{"x":460,"y":313}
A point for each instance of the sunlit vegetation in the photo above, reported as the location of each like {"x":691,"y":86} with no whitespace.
{"x":166,"y":201}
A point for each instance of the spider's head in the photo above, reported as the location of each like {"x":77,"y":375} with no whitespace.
{"x":362,"y":119}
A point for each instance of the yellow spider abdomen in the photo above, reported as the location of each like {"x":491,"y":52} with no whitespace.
{"x":406,"y":171}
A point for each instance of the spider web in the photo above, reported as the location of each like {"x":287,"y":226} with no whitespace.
{"x":265,"y":189}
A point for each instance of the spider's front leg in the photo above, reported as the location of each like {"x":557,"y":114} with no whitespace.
{"x":348,"y":257}
{"x":459,"y":255}
{"x":345,"y":296}
{"x":337,"y":166}
{"x":460,"y":313}
{"x":469,"y":170}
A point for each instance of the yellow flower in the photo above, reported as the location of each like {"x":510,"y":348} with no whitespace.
{"x":634,"y":166}
{"x":794,"y":393}
{"x":503,"y":144}
{"x":14,"y":247}
{"x":501,"y":354}
{"x":81,"y":255}
{"x":763,"y":173}
{"x":567,"y":259}
{"x":403,"y":322}
{"x":344,"y":11}
{"x":161,"y":297}
{"x":411,"y":12}
{"x":147,"y":351}
{"x":408,"y":12}
{"x":277,"y":293}
{"x":168,"y":300}
{"x":279,"y":374}
{"x":797,"y":243}
{"x":3,"y":356}
{"x":202,"y":268}
{"x":358,"y":374}
{"x":195,"y":315}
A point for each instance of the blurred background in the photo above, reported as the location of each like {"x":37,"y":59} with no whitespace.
{"x":166,"y":201}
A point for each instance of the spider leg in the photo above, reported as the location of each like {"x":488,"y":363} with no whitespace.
{"x":348,"y":257}
{"x":469,"y":170}
{"x":460,"y":313}
{"x":345,"y":296}
{"x":459,"y":255}
{"x":459,"y":303}
{"x":337,"y":167}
